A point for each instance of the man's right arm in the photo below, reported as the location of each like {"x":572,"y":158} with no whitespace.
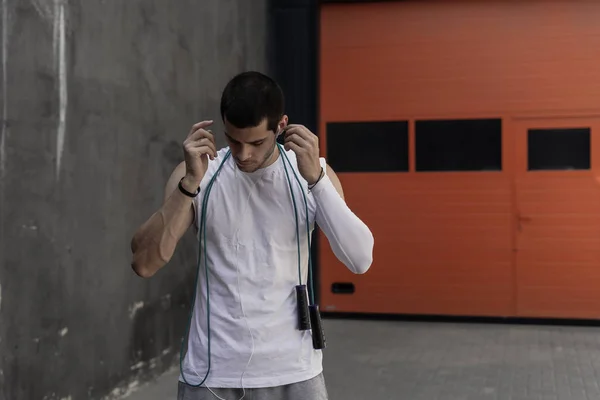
{"x":155,"y":241}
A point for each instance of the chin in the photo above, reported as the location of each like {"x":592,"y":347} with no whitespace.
{"x":247,"y":168}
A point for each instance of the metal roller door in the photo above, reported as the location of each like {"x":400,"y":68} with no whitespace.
{"x":465,"y":135}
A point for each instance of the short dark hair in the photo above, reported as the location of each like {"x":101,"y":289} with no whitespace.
{"x":249,"y":98}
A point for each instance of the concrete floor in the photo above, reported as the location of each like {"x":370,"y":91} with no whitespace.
{"x":448,"y":361}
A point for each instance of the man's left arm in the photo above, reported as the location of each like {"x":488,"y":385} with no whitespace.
{"x":350,"y":238}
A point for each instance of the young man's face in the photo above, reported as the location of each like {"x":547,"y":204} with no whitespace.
{"x":252,"y":148}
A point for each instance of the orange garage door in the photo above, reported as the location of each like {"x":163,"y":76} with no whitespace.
{"x":465,"y":134}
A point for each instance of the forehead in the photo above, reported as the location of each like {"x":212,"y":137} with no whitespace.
{"x":247,"y":135}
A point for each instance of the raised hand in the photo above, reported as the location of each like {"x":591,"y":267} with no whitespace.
{"x":305,"y":144}
{"x":198,"y":147}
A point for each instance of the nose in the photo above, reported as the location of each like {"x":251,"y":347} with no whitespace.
{"x":244,"y":154}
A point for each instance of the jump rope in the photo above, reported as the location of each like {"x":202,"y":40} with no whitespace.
{"x":309,"y":317}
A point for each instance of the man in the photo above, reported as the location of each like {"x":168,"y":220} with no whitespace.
{"x":244,"y":335}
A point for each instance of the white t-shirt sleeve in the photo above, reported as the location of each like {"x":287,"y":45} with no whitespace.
{"x":350,"y":238}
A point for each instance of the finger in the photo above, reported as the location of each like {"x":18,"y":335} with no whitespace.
{"x":203,"y":142}
{"x":199,"y":145}
{"x":292,"y":146}
{"x":200,"y":150}
{"x":202,"y":145}
{"x":200,"y":125}
{"x":303,"y":132}
{"x":199,"y":134}
{"x":298,"y":140}
{"x":306,"y":135}
{"x":289,"y":128}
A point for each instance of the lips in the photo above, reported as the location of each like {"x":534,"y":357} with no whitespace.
{"x":243,"y":165}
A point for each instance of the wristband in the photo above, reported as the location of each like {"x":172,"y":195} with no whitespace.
{"x":310,"y":187}
{"x":182,"y":189}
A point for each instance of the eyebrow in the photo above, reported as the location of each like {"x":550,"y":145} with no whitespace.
{"x":253,"y":142}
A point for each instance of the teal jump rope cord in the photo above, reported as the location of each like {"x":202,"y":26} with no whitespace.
{"x":202,"y":252}
{"x":310,"y":278}
{"x":202,"y":234}
{"x":295,"y":215}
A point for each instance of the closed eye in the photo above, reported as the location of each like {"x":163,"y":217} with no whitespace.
{"x":232,"y":140}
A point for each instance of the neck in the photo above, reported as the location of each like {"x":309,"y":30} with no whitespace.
{"x":270,"y":159}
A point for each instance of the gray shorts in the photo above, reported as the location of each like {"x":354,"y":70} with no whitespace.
{"x":312,"y":389}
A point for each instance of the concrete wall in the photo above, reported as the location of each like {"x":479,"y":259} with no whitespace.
{"x":97,"y":97}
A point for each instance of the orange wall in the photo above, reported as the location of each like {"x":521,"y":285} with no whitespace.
{"x":449,"y":58}
{"x":448,"y":243}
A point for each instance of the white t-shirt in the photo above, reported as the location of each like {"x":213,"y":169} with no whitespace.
{"x":252,"y":250}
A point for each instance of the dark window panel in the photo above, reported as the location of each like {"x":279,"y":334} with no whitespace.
{"x":558,"y":149}
{"x":368,"y":146}
{"x":459,"y":145}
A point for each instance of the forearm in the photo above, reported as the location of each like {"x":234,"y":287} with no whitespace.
{"x":154,"y":243}
{"x":350,"y":238}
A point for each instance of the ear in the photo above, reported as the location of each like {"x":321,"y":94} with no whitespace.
{"x":283,"y":122}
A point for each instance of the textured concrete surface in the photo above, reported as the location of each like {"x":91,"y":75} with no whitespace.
{"x":448,"y":361}
{"x":96,"y":98}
